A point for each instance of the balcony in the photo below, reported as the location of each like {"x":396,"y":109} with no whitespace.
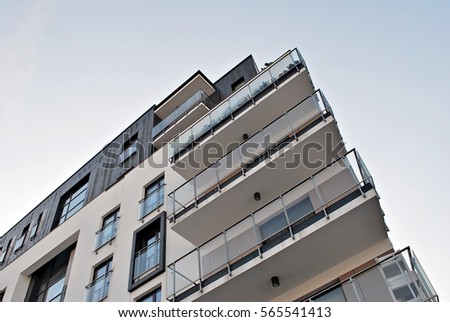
{"x":398,"y":277}
{"x":307,"y":220}
{"x":146,"y":261}
{"x":222,"y":194}
{"x":98,"y":289}
{"x":182,"y":117}
{"x":106,"y":234}
{"x":182,"y":94}
{"x":272,"y":92}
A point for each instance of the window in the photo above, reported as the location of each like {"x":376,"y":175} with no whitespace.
{"x":129,"y":148}
{"x":148,"y":250}
{"x":4,"y":252}
{"x":72,"y":201}
{"x":154,"y":197}
{"x":276,"y":223}
{"x":238,"y":84}
{"x":2,"y":295}
{"x":335,"y":294}
{"x":154,"y":296}
{"x":399,"y":281}
{"x":98,"y":289}
{"x":108,"y":230}
{"x":48,"y":282}
{"x":21,"y":239}
{"x":35,"y":227}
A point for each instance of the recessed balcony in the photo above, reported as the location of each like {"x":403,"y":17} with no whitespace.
{"x":181,"y":118}
{"x":197,"y":82}
{"x":273,"y":91}
{"x":306,"y":224}
{"x":288,"y":150}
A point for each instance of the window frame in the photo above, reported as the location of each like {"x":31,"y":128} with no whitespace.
{"x":95,"y":279}
{"x":154,"y":294}
{"x":116,"y":216}
{"x":81,"y":187}
{"x":160,"y":182}
{"x":160,"y":220}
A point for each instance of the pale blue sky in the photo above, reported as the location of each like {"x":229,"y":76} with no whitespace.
{"x":74,"y":74}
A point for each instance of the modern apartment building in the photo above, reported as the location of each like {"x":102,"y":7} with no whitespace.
{"x":235,"y":190}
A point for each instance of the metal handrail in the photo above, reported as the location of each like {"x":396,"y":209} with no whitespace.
{"x":327,"y":108}
{"x":259,"y":241}
{"x":241,"y":90}
{"x":182,"y":110}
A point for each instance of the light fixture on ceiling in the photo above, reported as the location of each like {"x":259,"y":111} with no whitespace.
{"x":257,"y":196}
{"x":275,"y":281}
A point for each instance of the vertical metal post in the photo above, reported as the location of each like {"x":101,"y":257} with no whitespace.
{"x":352,"y":282}
{"x":173,"y":210}
{"x":347,"y":163}
{"x":195,"y":191}
{"x":287,"y":217}
{"x":256,"y":235}
{"x":174,"y":281}
{"x":290,"y":125}
{"x":322,"y":201}
{"x":199,"y":270}
{"x":227,"y":252}
{"x":217,"y":175}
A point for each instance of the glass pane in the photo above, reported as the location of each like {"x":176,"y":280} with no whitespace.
{"x":240,"y":98}
{"x":272,"y":226}
{"x":241,"y":238}
{"x":333,"y":295}
{"x":201,"y":127}
{"x":213,"y":255}
{"x":220,"y":113}
{"x":260,"y":83}
{"x":54,"y":292}
{"x":282,"y":67}
{"x":299,"y":209}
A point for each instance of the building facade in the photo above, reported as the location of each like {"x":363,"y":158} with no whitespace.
{"x":235,"y":190}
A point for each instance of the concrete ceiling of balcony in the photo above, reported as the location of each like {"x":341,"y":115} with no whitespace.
{"x":316,"y":249}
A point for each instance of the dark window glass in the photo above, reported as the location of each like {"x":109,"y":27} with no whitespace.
{"x":108,"y":230}
{"x":154,"y":197}
{"x":237,"y":84}
{"x":406,"y":293}
{"x":2,"y":295}
{"x":147,"y":261}
{"x":98,"y":289}
{"x":335,"y":294}
{"x":72,"y":201}
{"x":47,"y":283}
{"x":154,"y":296}
{"x":4,"y":251}
{"x":35,"y":227}
{"x":147,"y":251}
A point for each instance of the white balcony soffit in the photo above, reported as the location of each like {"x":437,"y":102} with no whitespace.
{"x":253,"y":119}
{"x":236,"y":200}
{"x":198,"y":82}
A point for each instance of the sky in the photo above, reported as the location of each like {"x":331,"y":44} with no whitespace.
{"x":74,"y":74}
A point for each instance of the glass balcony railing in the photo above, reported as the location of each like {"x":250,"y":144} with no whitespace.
{"x":271,"y":75}
{"x":106,"y":233}
{"x":311,"y":200}
{"x":242,"y":159}
{"x":152,"y":201}
{"x":98,"y":289}
{"x":180,"y":111}
{"x":146,"y":260}
{"x":403,"y":276}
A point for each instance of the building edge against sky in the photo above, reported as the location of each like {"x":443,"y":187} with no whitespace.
{"x":235,"y":190}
